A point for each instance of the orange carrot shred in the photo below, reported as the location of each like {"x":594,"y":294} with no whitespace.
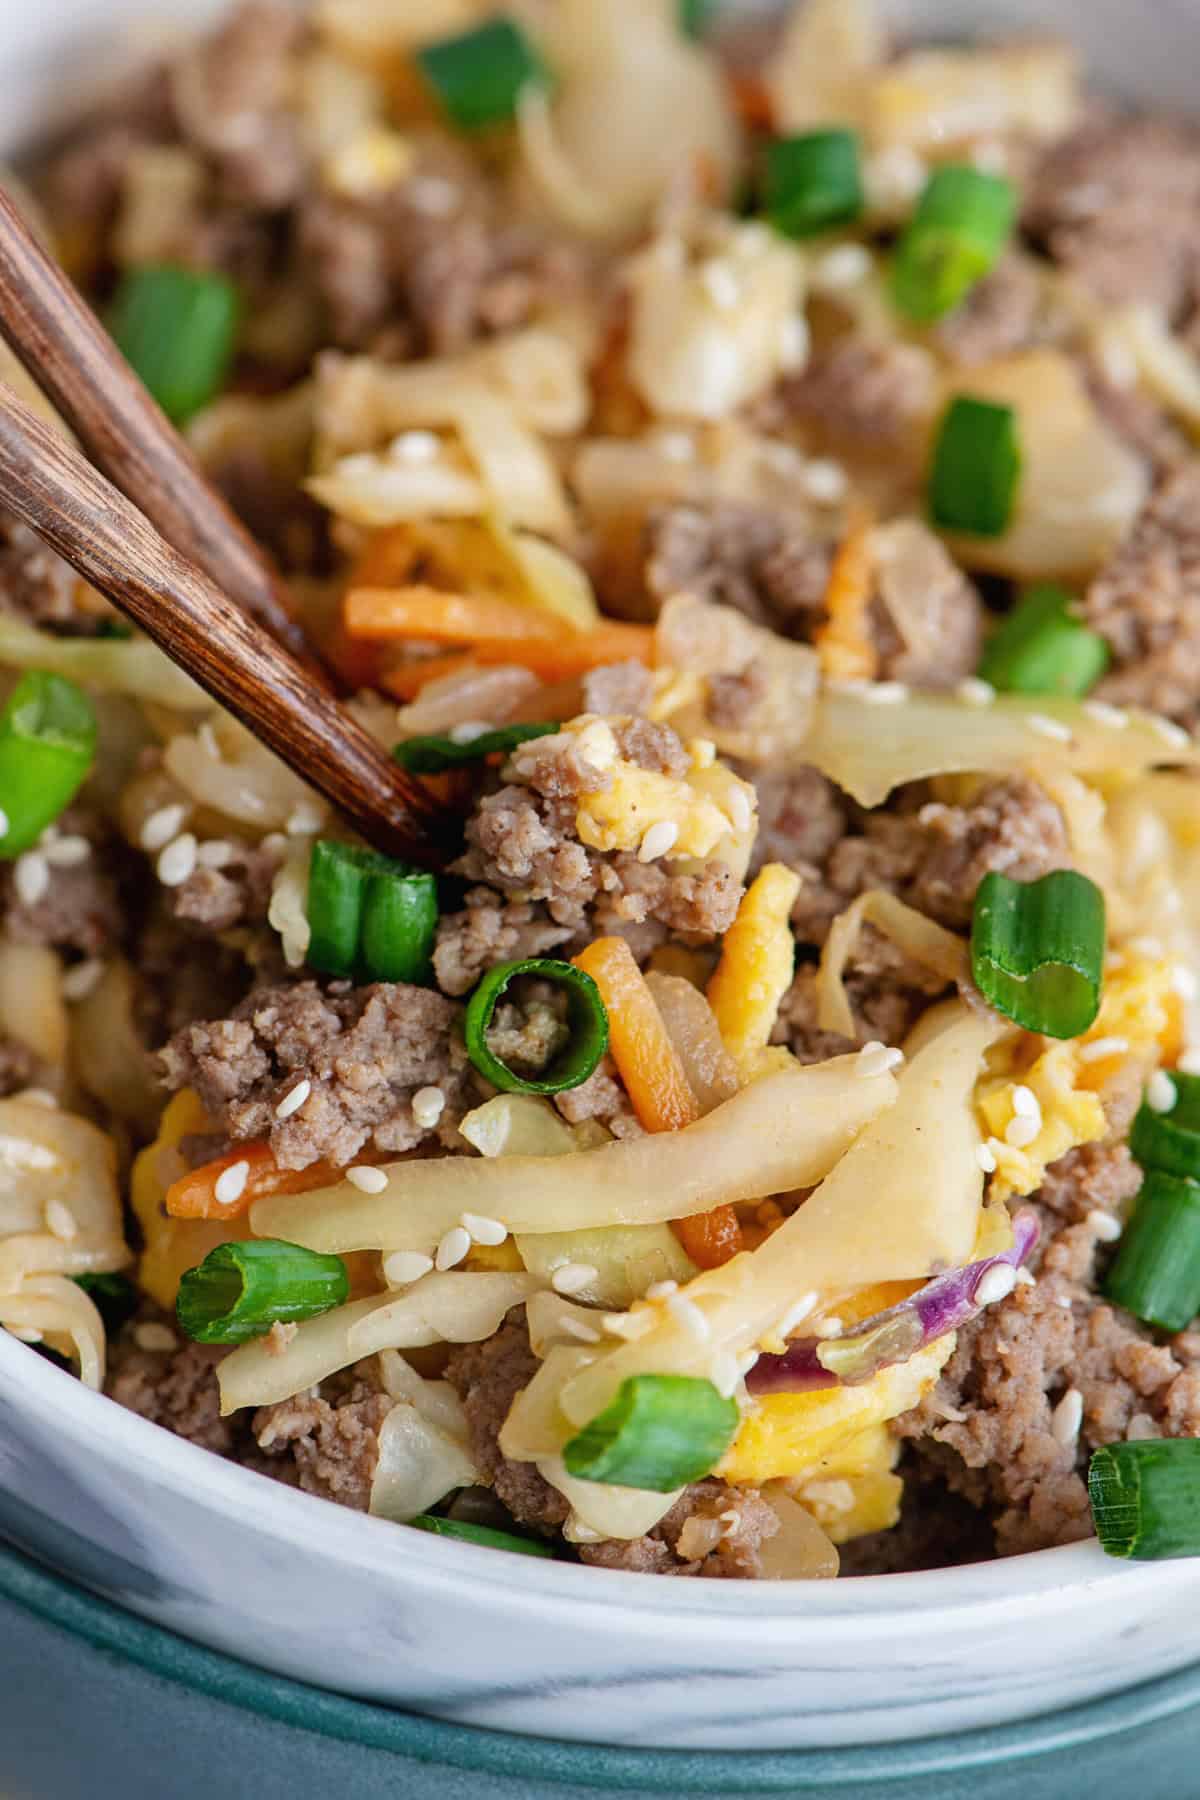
{"x":425,"y":612}
{"x":194,"y":1195}
{"x":553,"y":659}
{"x":844,"y":643}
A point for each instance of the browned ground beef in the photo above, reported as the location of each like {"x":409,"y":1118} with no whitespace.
{"x":238,"y":894}
{"x":488,"y":930}
{"x":174,"y":1388}
{"x":626,"y":687}
{"x":364,"y":1050}
{"x":327,"y":1442}
{"x":84,"y":906}
{"x":860,"y":392}
{"x":489,"y":1376}
{"x":1146,"y":602}
{"x":998,"y":316}
{"x":1139,"y":421}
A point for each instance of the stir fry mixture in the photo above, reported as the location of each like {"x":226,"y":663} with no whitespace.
{"x":775,"y":539}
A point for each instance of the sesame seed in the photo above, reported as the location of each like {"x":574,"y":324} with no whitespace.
{"x":685,"y":1312}
{"x":230,"y":1184}
{"x":825,"y":481}
{"x":217,"y":853}
{"x":1184,"y":982}
{"x":38,"y":1096}
{"x":731,"y":1520}
{"x":829,"y":1327}
{"x":1025,"y":1102}
{"x":1105,"y":1227}
{"x":484,"y":1231}
{"x":660,"y":1290}
{"x":658,"y":840}
{"x":676,"y":446}
{"x":61,"y":1221}
{"x":403,"y":1267}
{"x":741,"y":812}
{"x":83,"y":979}
{"x":1049,"y":728}
{"x":785,"y":459}
{"x":68,"y":852}
{"x":572,"y":1278}
{"x":1170,"y":733}
{"x":995,"y":1284}
{"x":1025,"y":1279}
{"x":629,"y":1326}
{"x":153,"y":1336}
{"x":894,"y":176}
{"x":452,"y":1249}
{"x":1067,"y":1417}
{"x":1102,"y":714}
{"x":794,"y":341}
{"x":161,"y":826}
{"x":1189,"y":1062}
{"x":795,"y":1313}
{"x":1063,"y":1300}
{"x":1103,"y":1047}
{"x":885,"y":693}
{"x":1161,"y":1094}
{"x":579,"y":1329}
{"x":178,"y":861}
{"x":31,"y":877}
{"x":305,"y":818}
{"x":275,"y":844}
{"x":1021,"y":1131}
{"x":428,"y":1105}
{"x":469,"y":730}
{"x":416,"y":446}
{"x":877,"y":1059}
{"x":294,"y":1099}
{"x":842,"y":267}
{"x":973,"y":691}
{"x":985,"y":1156}
{"x":721,"y":285}
{"x":368,"y":1180}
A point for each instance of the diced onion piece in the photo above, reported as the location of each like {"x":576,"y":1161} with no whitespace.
{"x":784,"y":1131}
{"x":800,"y":1550}
{"x":820,"y":73}
{"x":604,"y":1510}
{"x":132,"y":666}
{"x":934,"y":100}
{"x":692,"y":1027}
{"x":418,"y":1465}
{"x":920,"y":938}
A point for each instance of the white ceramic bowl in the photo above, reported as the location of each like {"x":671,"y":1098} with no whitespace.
{"x":348,"y":1602}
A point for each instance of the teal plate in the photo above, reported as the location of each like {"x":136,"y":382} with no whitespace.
{"x":96,"y":1703}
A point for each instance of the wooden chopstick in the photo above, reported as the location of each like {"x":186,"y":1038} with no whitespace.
{"x":51,"y":329}
{"x":47,"y":484}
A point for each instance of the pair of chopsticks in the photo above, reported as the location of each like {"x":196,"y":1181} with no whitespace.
{"x":156,"y":538}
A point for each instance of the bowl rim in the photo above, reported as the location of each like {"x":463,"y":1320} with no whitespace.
{"x":357,"y":1538}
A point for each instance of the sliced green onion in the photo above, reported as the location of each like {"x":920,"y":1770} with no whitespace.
{"x":370,"y":918}
{"x":813,"y":182}
{"x":1042,"y":648}
{"x":433,"y":755}
{"x":1170,"y":1141}
{"x":1037,"y":950}
{"x":586,"y":1019}
{"x":240,"y":1290}
{"x":660,"y":1432}
{"x":976,"y":464}
{"x":961,"y":224}
{"x":478,"y":76}
{"x":1156,"y":1275}
{"x":47,"y":743}
{"x":1146,"y":1498}
{"x":177,"y":329}
{"x":695,"y":16}
{"x":479,"y":1534}
{"x":115,"y":1299}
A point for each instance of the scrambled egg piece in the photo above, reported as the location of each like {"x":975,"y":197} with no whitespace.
{"x":857,"y":1489}
{"x":1138,"y":1015}
{"x":755,"y":970}
{"x":711,"y":809}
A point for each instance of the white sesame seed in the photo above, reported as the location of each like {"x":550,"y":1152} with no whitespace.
{"x":885,"y":693}
{"x":577,"y":1328}
{"x":894,"y":176}
{"x":368,"y":1180}
{"x":230,"y":1184}
{"x":741,"y":811}
{"x":275,"y":844}
{"x":1025,"y":1102}
{"x":1103,"y":1047}
{"x":794,"y":343}
{"x":469,"y":730}
{"x":973,"y":691}
{"x":572,"y":1278}
{"x":305,"y":818}
{"x":1105,"y":1227}
{"x":842,"y":267}
{"x":416,"y":447}
{"x":38,"y":1096}
{"x":31,"y":877}
{"x":217,"y":853}
{"x":484,"y":1231}
{"x":721,"y":285}
{"x":452,"y":1249}
{"x":1170,"y":733}
{"x":3,"y":823}
{"x":685,"y":1312}
{"x":83,"y":979}
{"x":830,"y":1326}
{"x":403,"y":1267}
{"x":153,"y":1336}
{"x":629,"y":1326}
{"x":68,"y":852}
{"x":1021,"y":1131}
{"x":1160,"y":1092}
{"x":877,"y":1059}
{"x":676,"y":446}
{"x":659,"y":1290}
{"x":1184,"y":982}
{"x":294,"y":1099}
{"x":825,"y":481}
{"x":1063,"y":1300}
{"x":985,"y":1156}
{"x":785,"y":459}
{"x":177,"y":861}
{"x":1067,"y":1417}
{"x":995,"y":1284}
{"x":428,"y":1105}
{"x":61,"y":1221}
{"x":1101,"y":713}
{"x":1049,"y":728}
{"x":1025,"y":1278}
{"x":1140,"y":1427}
{"x":161,"y":826}
{"x":1189,"y":1062}
{"x":658,"y":840}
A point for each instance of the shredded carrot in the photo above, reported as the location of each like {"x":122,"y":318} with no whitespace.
{"x":844,"y":643}
{"x":553,"y":659}
{"x":655,"y":1081}
{"x":752,"y":100}
{"x":388,"y":559}
{"x":194,"y":1195}
{"x":427,"y":612}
